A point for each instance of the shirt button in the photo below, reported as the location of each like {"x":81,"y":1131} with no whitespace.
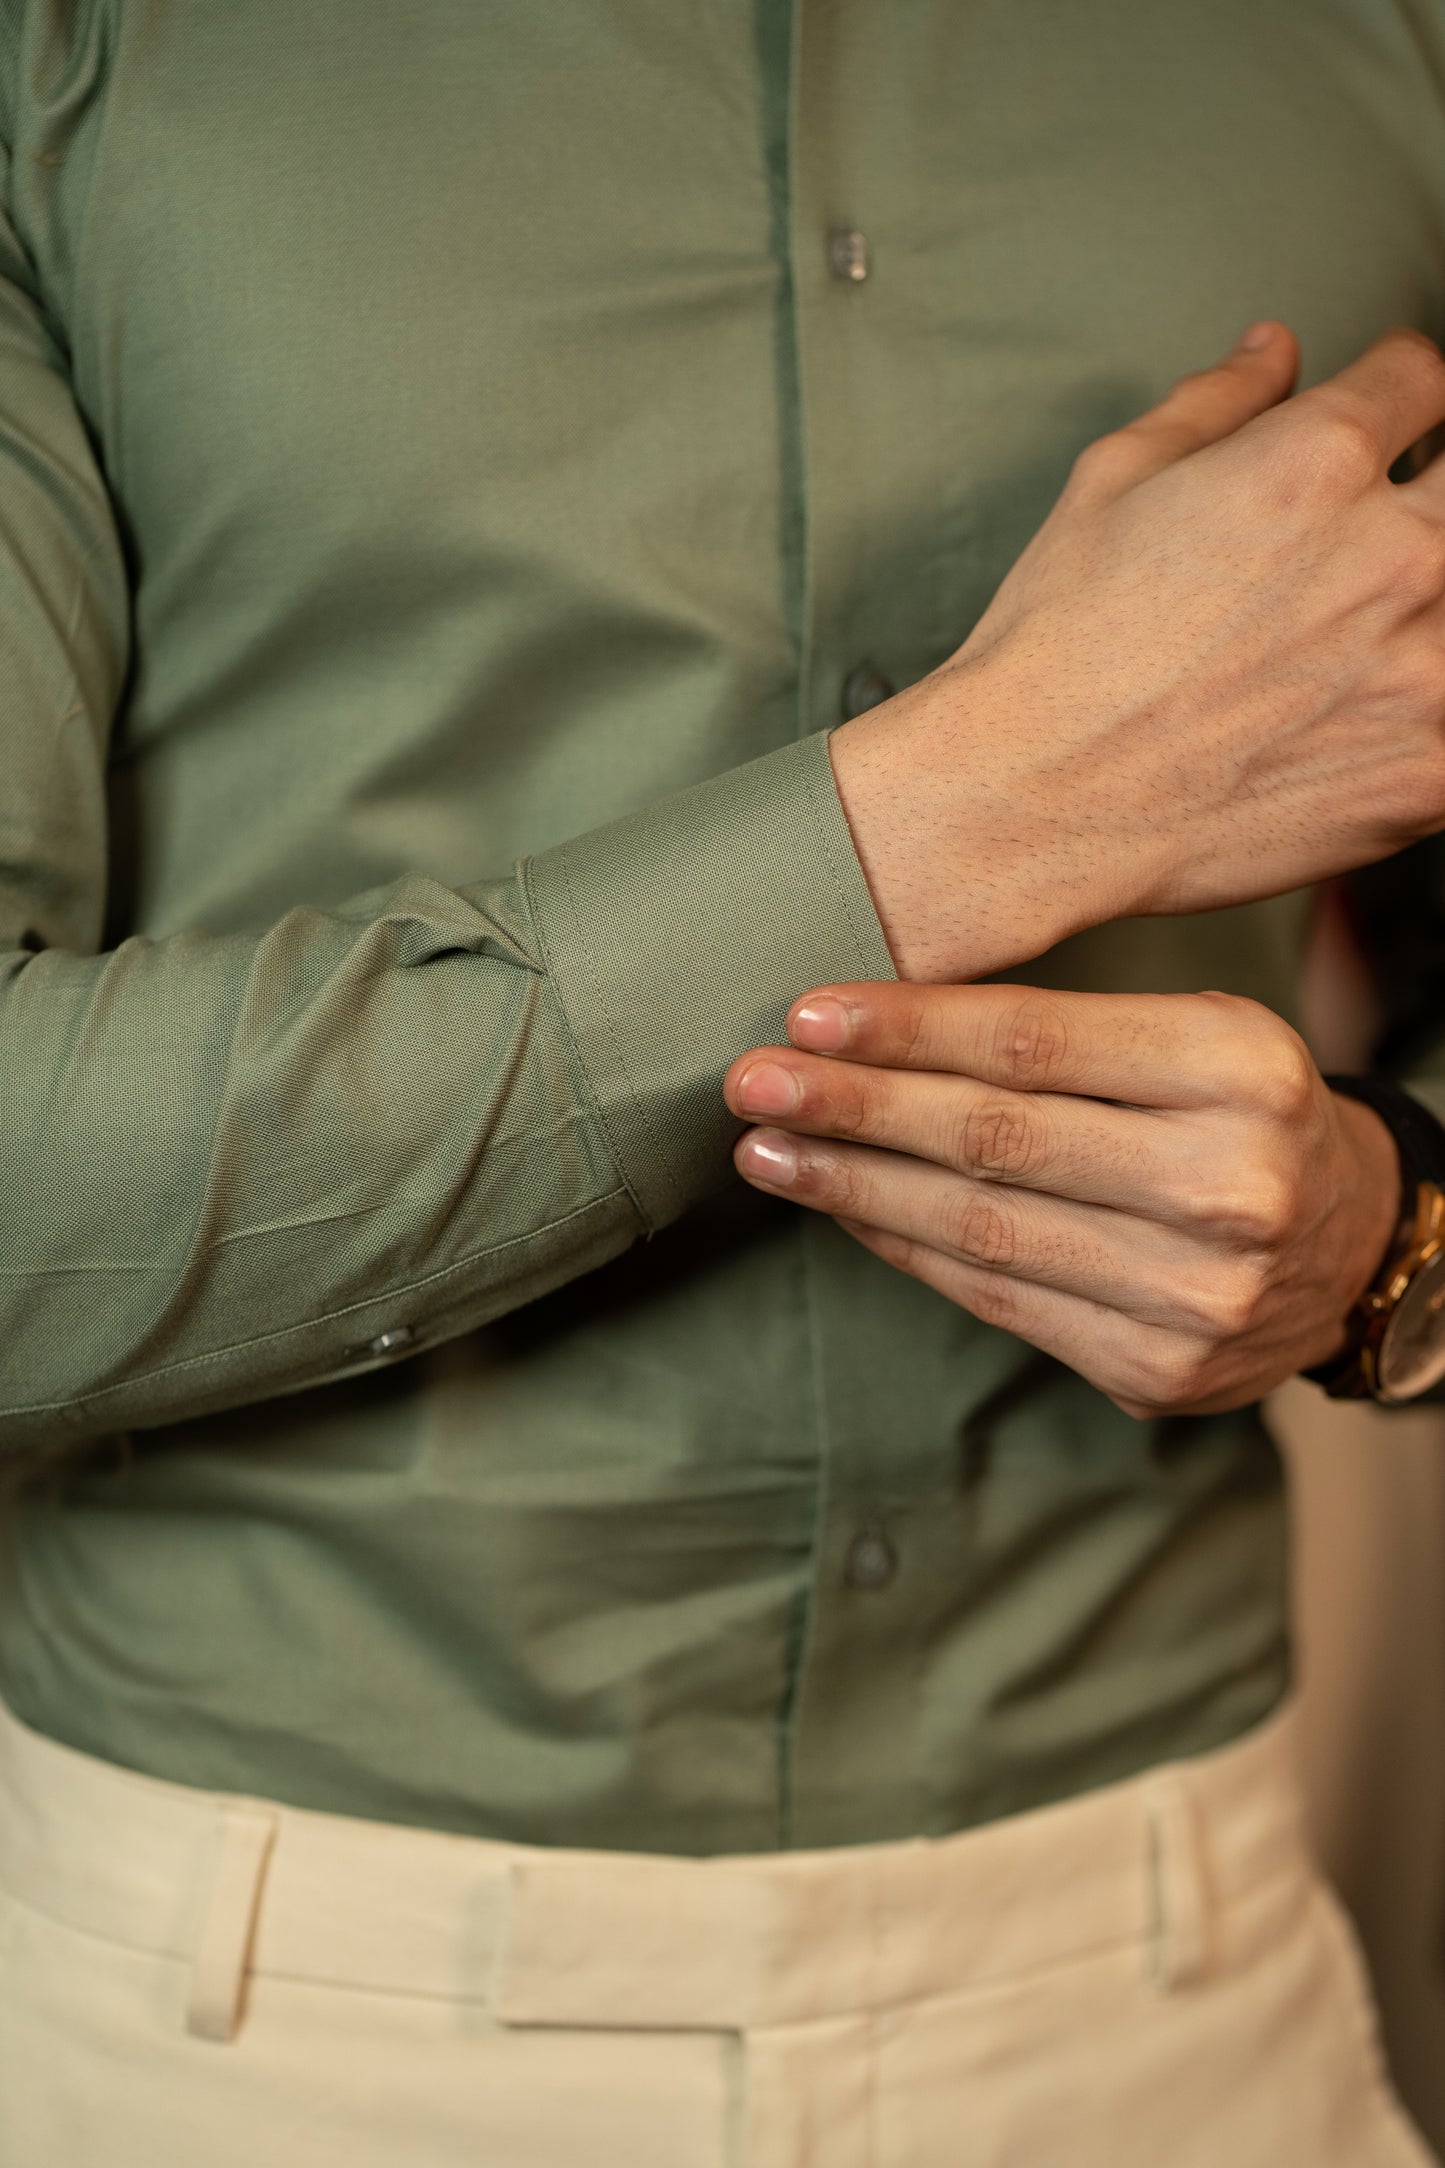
{"x":871,"y":1562}
{"x":390,"y":1343}
{"x":865,"y":688}
{"x":848,"y":255}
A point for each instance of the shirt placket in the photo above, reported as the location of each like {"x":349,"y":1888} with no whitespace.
{"x":889,"y":1525}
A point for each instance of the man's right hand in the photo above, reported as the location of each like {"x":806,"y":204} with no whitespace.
{"x":1217,"y":672}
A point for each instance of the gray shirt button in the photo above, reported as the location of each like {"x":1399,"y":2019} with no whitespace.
{"x":848,"y":255}
{"x":871,"y":1562}
{"x":391,"y":1343}
{"x":865,"y":688}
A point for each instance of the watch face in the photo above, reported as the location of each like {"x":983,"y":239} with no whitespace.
{"x":1411,"y":1355}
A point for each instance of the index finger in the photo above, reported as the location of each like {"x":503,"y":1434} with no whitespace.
{"x":1394,"y":391}
{"x":1145,"y":1049}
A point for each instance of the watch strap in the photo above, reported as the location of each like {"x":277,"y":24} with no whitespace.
{"x":1420,"y":1144}
{"x":1419,"y":1138}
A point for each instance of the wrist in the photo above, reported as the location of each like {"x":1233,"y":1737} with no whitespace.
{"x":1393,"y":1348}
{"x":975,"y":862}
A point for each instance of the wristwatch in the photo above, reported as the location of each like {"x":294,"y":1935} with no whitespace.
{"x":1395,"y":1349}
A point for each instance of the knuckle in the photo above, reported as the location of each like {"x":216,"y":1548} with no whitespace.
{"x":1206,"y":1203}
{"x":1104,"y":464}
{"x":1190,"y":1197}
{"x":1242,"y":1010}
{"x":996,"y":1301}
{"x":1169,"y":1379}
{"x":1266,"y":1209}
{"x":1260,"y":1052}
{"x":998,"y":1137}
{"x":1235,"y":1022}
{"x":844,"y":1184}
{"x":1031,"y":1044}
{"x":1285,"y":1076}
{"x":1257,"y":1211}
{"x":853,"y":1102}
{"x":829,"y":1178}
{"x":1231,"y":1301}
{"x":1337,"y":447}
{"x":900,"y":1251}
{"x":981,"y":1230}
{"x":911,"y":1033}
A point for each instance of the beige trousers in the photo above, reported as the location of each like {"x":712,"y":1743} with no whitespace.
{"x":1152,"y":1976}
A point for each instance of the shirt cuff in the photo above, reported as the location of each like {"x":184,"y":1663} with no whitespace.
{"x":676,"y":938}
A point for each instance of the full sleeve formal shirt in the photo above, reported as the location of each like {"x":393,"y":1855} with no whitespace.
{"x":457,"y":464}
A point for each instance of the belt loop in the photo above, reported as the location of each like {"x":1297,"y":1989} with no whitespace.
{"x":1178,"y":1944}
{"x":223,"y":1950}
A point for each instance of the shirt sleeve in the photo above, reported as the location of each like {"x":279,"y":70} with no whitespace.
{"x":232,"y":1166}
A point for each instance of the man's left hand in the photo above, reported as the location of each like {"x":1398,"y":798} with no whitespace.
{"x":1159,"y":1190}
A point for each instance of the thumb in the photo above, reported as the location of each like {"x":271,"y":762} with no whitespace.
{"x":1203,"y":407}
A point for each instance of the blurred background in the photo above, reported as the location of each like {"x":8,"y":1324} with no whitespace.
{"x":1369,"y":1584}
{"x":1369,"y":1495}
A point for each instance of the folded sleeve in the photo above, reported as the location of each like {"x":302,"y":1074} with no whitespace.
{"x":232,"y":1166}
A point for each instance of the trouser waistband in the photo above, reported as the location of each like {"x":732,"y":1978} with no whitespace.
{"x":231,"y":1886}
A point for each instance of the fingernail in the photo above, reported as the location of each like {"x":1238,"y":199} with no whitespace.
{"x":769,"y":1157}
{"x":822,"y":1026}
{"x":768,"y":1088}
{"x":1258,"y":335}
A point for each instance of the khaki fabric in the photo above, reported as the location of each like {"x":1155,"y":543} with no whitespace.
{"x":1149,"y":1976}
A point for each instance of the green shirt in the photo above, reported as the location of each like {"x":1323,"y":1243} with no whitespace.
{"x":450,"y":477}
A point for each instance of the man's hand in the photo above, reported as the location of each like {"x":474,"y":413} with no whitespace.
{"x":1217,"y":672}
{"x":1157,"y":1189}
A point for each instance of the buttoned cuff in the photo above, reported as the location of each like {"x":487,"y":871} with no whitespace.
{"x":676,"y":938}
